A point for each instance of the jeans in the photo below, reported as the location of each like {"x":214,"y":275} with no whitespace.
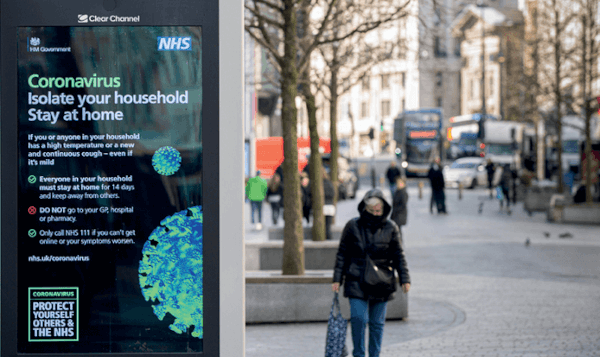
{"x":275,"y":211}
{"x":256,"y":206}
{"x":363,"y":312}
{"x":392,"y":189}
{"x":328,"y":220}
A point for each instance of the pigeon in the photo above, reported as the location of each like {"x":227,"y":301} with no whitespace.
{"x":480,"y":208}
{"x":546,"y":234}
{"x":527,"y":242}
{"x":565,"y":235}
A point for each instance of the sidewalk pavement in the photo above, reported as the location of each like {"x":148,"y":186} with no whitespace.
{"x":478,"y":289}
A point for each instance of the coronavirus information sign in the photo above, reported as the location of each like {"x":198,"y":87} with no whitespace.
{"x":106,"y":233}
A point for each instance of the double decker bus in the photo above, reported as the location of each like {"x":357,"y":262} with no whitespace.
{"x":419,"y":139}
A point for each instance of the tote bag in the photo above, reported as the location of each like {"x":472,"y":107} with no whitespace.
{"x":335,"y":345}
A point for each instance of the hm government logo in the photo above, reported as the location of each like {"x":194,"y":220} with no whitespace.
{"x":82,"y":19}
{"x":34,"y":44}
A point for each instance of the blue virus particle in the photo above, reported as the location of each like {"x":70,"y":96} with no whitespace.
{"x":170,"y":271}
{"x":166,"y":160}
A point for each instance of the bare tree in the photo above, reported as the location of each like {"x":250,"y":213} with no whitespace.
{"x":587,"y":60}
{"x":273,"y":24}
{"x":555,"y":56}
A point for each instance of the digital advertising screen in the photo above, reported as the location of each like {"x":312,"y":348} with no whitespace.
{"x":110,"y":189}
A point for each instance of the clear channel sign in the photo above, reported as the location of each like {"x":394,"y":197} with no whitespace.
{"x":104,"y":113}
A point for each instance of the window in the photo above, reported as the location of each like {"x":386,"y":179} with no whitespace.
{"x":403,"y":79}
{"x":364,"y":109}
{"x":366,"y":83}
{"x":440,"y":48}
{"x":403,"y":105}
{"x":456,"y":47}
{"x":491,"y":84}
{"x":472,"y":89}
{"x":385,"y":108}
{"x":438,"y":79}
{"x":385,"y":81}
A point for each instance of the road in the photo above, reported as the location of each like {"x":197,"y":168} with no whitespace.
{"x":477,"y":288}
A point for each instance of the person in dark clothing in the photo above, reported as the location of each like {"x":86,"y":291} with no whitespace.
{"x":399,"y":204}
{"x":275,"y":196}
{"x":306,"y":196}
{"x":436,"y":178}
{"x":505,"y":184}
{"x":490,"y":168}
{"x":370,"y":237}
{"x":392,"y":174}
{"x":328,"y":207}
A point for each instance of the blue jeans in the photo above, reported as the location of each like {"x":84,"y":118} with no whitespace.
{"x":256,"y":206}
{"x":363,"y":312}
{"x":392,"y":189}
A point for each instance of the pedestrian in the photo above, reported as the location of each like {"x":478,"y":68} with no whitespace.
{"x":275,"y":196}
{"x":328,"y":207}
{"x":256,"y":190}
{"x":392,"y":174}
{"x":370,"y":243}
{"x":306,"y":196}
{"x":436,"y":179}
{"x":505,"y":184}
{"x":399,"y":203}
{"x":490,"y":168}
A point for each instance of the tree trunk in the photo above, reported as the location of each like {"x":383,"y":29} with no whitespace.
{"x":557,"y":93}
{"x":293,"y":240}
{"x":316,"y":174}
{"x":588,"y":115}
{"x":335,"y":151}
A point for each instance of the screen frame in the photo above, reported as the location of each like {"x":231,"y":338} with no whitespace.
{"x":35,"y":13}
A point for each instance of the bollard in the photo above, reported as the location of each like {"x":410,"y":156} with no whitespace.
{"x":373,"y":181}
{"x":460,"y":189}
{"x":420,"y":189}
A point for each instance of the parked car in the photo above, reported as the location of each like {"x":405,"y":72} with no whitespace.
{"x":470,"y":171}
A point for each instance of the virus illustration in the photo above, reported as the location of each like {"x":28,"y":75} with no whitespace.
{"x":170,"y":271}
{"x":166,"y":160}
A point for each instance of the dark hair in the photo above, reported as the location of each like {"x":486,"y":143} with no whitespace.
{"x":274,"y":183}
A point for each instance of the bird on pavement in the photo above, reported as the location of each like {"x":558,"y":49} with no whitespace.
{"x":527,"y":242}
{"x":546,"y":234}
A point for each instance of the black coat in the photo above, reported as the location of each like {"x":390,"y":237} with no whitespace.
{"x":382,"y":241}
{"x":436,"y":177}
{"x":392,"y":174}
{"x":399,"y":210}
{"x":328,"y":191}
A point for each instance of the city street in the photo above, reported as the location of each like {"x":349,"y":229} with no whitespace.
{"x":488,"y":284}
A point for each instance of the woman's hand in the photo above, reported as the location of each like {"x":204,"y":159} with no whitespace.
{"x":405,"y":288}
{"x":335,"y":287}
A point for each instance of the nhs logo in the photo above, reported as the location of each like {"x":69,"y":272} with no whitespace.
{"x":175,"y":43}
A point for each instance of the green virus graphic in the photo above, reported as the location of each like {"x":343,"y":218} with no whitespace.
{"x":170,"y":271}
{"x":166,"y":160}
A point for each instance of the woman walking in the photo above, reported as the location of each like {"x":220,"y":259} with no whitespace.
{"x":275,"y":196}
{"x":368,"y":254}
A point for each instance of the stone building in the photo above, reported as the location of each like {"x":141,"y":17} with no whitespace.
{"x":502,"y":31}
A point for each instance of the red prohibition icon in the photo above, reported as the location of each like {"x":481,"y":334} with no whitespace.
{"x":32,"y":210}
